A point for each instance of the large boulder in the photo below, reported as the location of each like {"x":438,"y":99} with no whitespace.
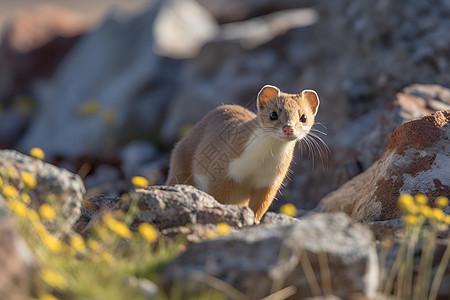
{"x":414,"y":101}
{"x":111,"y":81}
{"x":323,"y":253}
{"x":172,"y":206}
{"x":416,"y":160}
{"x":35,"y":41}
{"x":172,"y":209}
{"x":59,"y":184}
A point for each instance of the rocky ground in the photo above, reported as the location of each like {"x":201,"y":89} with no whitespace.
{"x":107,"y":102}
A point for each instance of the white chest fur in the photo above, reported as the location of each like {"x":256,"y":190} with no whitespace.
{"x":260,"y":163}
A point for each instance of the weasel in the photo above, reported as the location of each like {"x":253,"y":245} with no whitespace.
{"x":240,"y":157}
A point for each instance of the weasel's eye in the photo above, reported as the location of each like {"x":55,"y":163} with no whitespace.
{"x":273,"y":116}
{"x":303,"y":119}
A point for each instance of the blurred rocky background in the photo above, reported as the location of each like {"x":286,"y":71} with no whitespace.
{"x":106,"y":88}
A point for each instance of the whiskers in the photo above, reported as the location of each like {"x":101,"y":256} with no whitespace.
{"x":312,"y":143}
{"x":315,"y":146}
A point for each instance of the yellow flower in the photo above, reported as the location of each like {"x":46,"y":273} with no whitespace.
{"x":447,"y":220}
{"x":77,"y":243}
{"x":441,"y":202}
{"x":10,"y":192}
{"x":109,"y":117}
{"x":438,"y":214}
{"x":148,"y":232}
{"x":421,"y":199}
{"x":93,"y":245}
{"x":411,"y":220}
{"x":32,"y":215}
{"x":102,"y":231}
{"x":53,"y":244}
{"x":48,"y":297}
{"x":11,"y":172}
{"x":29,"y":180}
{"x":426,"y":211}
{"x":37,"y":153}
{"x":89,"y":108}
{"x":406,"y":205}
{"x":211,"y":234}
{"x":107,"y":257}
{"x":46,"y":212}
{"x":289,"y":209}
{"x":116,"y":226}
{"x":40,"y":229}
{"x":53,"y":278}
{"x":223,"y":228}
{"x":1,"y":181}
{"x":18,"y":207}
{"x":139,"y":181}
{"x":25,"y":198}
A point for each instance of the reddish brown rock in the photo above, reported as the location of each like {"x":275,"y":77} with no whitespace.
{"x":34,"y":43}
{"x":37,"y":25}
{"x":416,"y":160}
{"x":414,"y":101}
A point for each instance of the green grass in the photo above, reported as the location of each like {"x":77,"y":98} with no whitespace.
{"x":97,"y":267}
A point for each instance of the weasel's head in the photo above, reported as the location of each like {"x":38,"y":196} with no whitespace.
{"x":287,"y":117}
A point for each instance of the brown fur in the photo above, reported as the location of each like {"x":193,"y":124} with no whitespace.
{"x":240,"y":157}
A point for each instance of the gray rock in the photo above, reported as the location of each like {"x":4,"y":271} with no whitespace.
{"x":179,"y":205}
{"x":104,"y":177}
{"x":114,"y":66}
{"x":135,"y":154}
{"x":66,"y":188}
{"x":155,"y":171}
{"x":389,"y":229}
{"x":261,"y":260}
{"x":148,"y":288}
{"x":272,"y":218}
{"x":182,"y":27}
{"x":12,"y":123}
{"x":172,"y":209}
{"x":92,"y":210}
{"x":226,"y":11}
{"x":416,"y":160}
{"x":255,"y":32}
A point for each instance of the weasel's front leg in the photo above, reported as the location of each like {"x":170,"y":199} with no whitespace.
{"x":261,"y":199}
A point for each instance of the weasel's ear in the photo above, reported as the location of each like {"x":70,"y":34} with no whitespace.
{"x":267,"y":93}
{"x":312,"y":99}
